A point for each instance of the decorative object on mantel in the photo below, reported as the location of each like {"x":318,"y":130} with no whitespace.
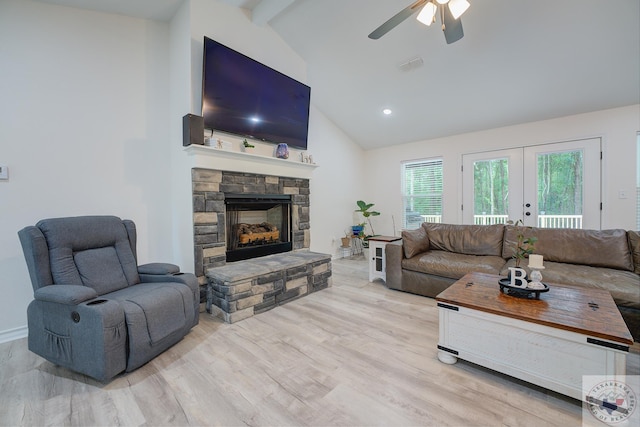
{"x":222,"y":145}
{"x":306,"y":158}
{"x":246,"y":147}
{"x":209,"y":140}
{"x":282,"y":151}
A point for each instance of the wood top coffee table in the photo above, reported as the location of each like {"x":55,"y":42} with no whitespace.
{"x":550,"y":342}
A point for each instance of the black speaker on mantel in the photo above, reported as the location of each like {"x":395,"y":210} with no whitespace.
{"x":192,"y":130}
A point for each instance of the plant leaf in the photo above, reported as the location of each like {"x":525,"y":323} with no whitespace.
{"x":363,"y":206}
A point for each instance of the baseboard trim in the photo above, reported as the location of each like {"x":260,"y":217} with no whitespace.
{"x":13,"y":334}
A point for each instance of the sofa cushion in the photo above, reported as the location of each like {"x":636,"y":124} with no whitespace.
{"x":597,"y":248}
{"x":624,"y":286}
{"x":163,"y":307}
{"x":415,"y":242}
{"x":451,"y":264}
{"x":466,"y":239}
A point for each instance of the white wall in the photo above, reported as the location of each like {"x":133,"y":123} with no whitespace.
{"x":336,"y":185}
{"x":617,"y":128}
{"x":83,"y":129}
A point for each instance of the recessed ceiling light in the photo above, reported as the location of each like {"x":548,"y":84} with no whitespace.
{"x":387,"y":111}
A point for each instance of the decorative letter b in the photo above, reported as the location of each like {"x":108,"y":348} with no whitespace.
{"x":518,"y":277}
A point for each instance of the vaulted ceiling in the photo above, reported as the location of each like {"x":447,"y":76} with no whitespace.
{"x":519,"y":61}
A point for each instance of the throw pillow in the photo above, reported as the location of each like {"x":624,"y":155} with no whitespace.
{"x":415,"y":242}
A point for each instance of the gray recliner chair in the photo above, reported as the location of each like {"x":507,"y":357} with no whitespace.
{"x":95,"y":311}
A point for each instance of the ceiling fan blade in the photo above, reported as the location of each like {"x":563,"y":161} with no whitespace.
{"x":452,"y":27}
{"x":396,"y":19}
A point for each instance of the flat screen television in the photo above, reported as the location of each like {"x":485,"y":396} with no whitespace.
{"x":243,"y":97}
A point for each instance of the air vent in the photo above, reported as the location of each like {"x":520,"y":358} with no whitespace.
{"x":411,"y":64}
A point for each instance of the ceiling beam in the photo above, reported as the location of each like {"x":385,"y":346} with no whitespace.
{"x":266,"y":10}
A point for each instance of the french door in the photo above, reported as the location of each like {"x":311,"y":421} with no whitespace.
{"x":550,"y":186}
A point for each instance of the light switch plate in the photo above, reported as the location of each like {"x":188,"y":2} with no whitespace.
{"x":4,"y":172}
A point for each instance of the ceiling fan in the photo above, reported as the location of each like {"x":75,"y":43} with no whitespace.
{"x":450,"y":12}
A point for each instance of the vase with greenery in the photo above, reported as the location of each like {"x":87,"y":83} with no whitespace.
{"x":524,"y":246}
{"x":246,"y":146}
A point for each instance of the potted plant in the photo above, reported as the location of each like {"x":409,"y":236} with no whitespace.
{"x":246,"y":146}
{"x":346,"y":240}
{"x":363,"y":208}
{"x":524,"y":246}
{"x":358,"y":230}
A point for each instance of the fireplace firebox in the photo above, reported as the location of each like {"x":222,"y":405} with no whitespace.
{"x":257,"y":225}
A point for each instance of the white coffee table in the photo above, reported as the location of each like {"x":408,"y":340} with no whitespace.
{"x":551,"y":342}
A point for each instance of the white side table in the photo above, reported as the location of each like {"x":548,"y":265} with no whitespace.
{"x":377,"y":258}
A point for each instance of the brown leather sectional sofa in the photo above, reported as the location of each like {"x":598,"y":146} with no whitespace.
{"x":431,"y":258}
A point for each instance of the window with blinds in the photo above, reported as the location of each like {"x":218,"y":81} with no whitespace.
{"x":421,"y":192}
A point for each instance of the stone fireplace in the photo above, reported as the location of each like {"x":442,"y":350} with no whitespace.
{"x":212,"y":190}
{"x":272,"y":194}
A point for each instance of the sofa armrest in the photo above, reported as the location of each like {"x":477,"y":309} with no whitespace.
{"x":65,"y":294}
{"x":158,"y":268}
{"x":394,"y":254}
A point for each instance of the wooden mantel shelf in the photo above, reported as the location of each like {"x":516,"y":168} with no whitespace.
{"x":213,"y":158}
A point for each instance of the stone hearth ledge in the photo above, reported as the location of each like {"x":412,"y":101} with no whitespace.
{"x":238,"y":290}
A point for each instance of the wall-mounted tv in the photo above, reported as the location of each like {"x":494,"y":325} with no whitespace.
{"x":243,"y":97}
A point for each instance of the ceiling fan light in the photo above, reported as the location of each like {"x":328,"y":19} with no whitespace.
{"x":442,"y":1}
{"x":427,"y":14}
{"x":458,"y":7}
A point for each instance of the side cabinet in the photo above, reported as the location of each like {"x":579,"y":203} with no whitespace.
{"x":377,"y":258}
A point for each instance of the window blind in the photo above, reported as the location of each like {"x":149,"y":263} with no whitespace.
{"x":422,"y":192}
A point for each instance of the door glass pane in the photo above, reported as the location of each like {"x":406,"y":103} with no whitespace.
{"x":560,"y":189}
{"x":491,"y":191}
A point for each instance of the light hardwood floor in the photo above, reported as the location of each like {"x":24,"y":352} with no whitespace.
{"x":354,"y":354}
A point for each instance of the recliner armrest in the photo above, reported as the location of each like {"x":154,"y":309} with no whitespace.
{"x":187,"y":278}
{"x":65,"y":294}
{"x":158,"y":268}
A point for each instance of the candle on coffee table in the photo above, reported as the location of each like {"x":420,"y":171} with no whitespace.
{"x":535,"y":261}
